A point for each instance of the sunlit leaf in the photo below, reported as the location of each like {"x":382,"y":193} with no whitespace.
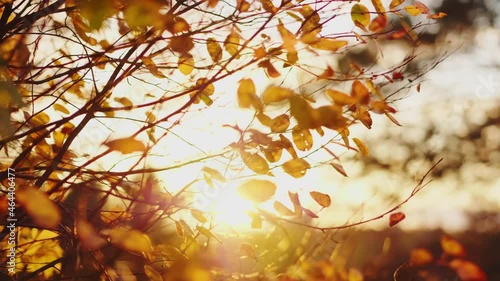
{"x":206,"y":232}
{"x":231,"y":44}
{"x":297,"y":207}
{"x":360,"y":92}
{"x":379,"y":7}
{"x":214,"y":49}
{"x":329,"y":44}
{"x":364,"y":116}
{"x":302,"y":138}
{"x":297,"y":167}
{"x":420,"y":257}
{"x":39,"y":207}
{"x":282,"y":209}
{"x":243,"y":6}
{"x":467,"y":270}
{"x":339,"y":168}
{"x":437,"y":16}
{"x":311,"y":19}
{"x":181,"y":44}
{"x":409,"y":30}
{"x":255,"y":162}
{"x":378,"y":24}
{"x":362,"y":147}
{"x":287,"y":145}
{"x":131,"y":240}
{"x":360,"y":16}
{"x":124,"y":101}
{"x":87,"y":235}
{"x":257,"y":190}
{"x":280,"y":123}
{"x":214,"y":174}
{"x":310,"y":213}
{"x":452,"y":247}
{"x":151,"y":66}
{"x":340,"y":98}
{"x":186,"y":63}
{"x":256,"y":220}
{"x":179,"y":228}
{"x":322,"y":199}
{"x":412,"y":10}
{"x":199,"y":216}
{"x":247,"y":94}
{"x":304,"y":113}
{"x":331,"y":117}
{"x":395,"y":218}
{"x":273,"y":151}
{"x":126,"y":145}
{"x":422,"y":7}
{"x":61,"y":108}
{"x":291,"y":58}
{"x":152,"y":274}
{"x":344,"y":133}
{"x":276,"y":94}
{"x":268,"y":6}
{"x":271,"y":71}
{"x":395,"y":3}
{"x":288,"y":37}
{"x":355,"y":275}
{"x":246,"y":250}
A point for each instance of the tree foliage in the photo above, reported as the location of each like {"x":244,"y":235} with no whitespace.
{"x":87,"y":85}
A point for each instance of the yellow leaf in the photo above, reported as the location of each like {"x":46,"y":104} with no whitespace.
{"x":297,"y":167}
{"x":247,"y":94}
{"x":360,"y":15}
{"x":302,"y":138}
{"x":329,"y":44}
{"x":203,"y":89}
{"x":395,"y":218}
{"x":256,"y":220}
{"x":452,"y":247}
{"x":268,"y":6}
{"x":214,"y":174}
{"x":180,"y":25}
{"x":152,"y":274}
{"x":360,"y":92}
{"x":186,"y":63}
{"x":409,"y":30}
{"x":126,"y":145}
{"x":273,"y":151}
{"x":39,"y":207}
{"x":304,"y":113}
{"x":131,"y":240}
{"x":246,"y":250}
{"x":61,"y":108}
{"x":311,"y":19}
{"x":255,"y":162}
{"x":276,"y":94}
{"x":214,"y":49}
{"x":420,"y":257}
{"x":437,"y":16}
{"x":331,"y":117}
{"x":199,"y":216}
{"x":124,"y":101}
{"x":378,"y":6}
{"x":362,"y":147}
{"x":151,"y":66}
{"x":364,"y":116}
{"x":231,"y":44}
{"x":412,"y":10}
{"x":257,"y":190}
{"x":422,"y":7}
{"x":322,"y":199}
{"x":280,"y":123}
{"x":395,"y":3}
{"x":282,"y":209}
{"x":87,"y":235}
{"x":340,"y":98}
{"x":41,"y":118}
{"x":179,"y":228}
{"x":288,"y":37}
{"x":242,"y":6}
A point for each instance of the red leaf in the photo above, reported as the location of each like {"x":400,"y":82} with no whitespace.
{"x":395,"y":218}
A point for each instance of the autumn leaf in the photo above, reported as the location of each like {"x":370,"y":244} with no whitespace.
{"x":360,"y":16}
{"x":131,"y":240}
{"x":467,"y":270}
{"x":340,"y":98}
{"x":271,"y":71}
{"x":179,"y":228}
{"x":296,"y":168}
{"x":276,"y":94}
{"x":360,"y":92}
{"x":231,"y":44}
{"x":297,"y":207}
{"x":151,"y":66}
{"x":395,"y":218}
{"x":378,"y":24}
{"x":339,"y":168}
{"x":287,"y":145}
{"x":255,"y":162}
{"x":280,"y":123}
{"x":206,"y":232}
{"x":302,"y":138}
{"x":88,"y":236}
{"x":379,"y":7}
{"x":452,"y":247}
{"x":199,"y":216}
{"x":152,"y":274}
{"x":124,"y":101}
{"x":247,"y":95}
{"x":304,"y":113}
{"x":288,"y":37}
{"x":420,"y":257}
{"x":395,"y":3}
{"x":329,"y":44}
{"x":437,"y":16}
{"x":213,"y":174}
{"x":214,"y":49}
{"x":126,"y":145}
{"x":282,"y":209}
{"x":257,"y":190}
{"x":181,"y":44}
{"x":412,"y":10}
{"x":273,"y":151}
{"x":61,"y":108}
{"x":186,"y":64}
{"x":362,"y":147}
{"x":39,"y":207}
{"x":310,"y":213}
{"x":322,"y":199}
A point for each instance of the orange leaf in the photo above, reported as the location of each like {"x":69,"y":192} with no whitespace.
{"x":37,"y":204}
{"x":452,"y":247}
{"x":420,"y":257}
{"x":360,"y":92}
{"x":395,"y":218}
{"x":296,"y":168}
{"x":468,"y":271}
{"x":126,"y":145}
{"x":378,"y":24}
{"x":362,"y":147}
{"x":322,"y":199}
{"x":276,"y":94}
{"x":339,"y":169}
{"x":282,"y":209}
{"x":437,"y":16}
